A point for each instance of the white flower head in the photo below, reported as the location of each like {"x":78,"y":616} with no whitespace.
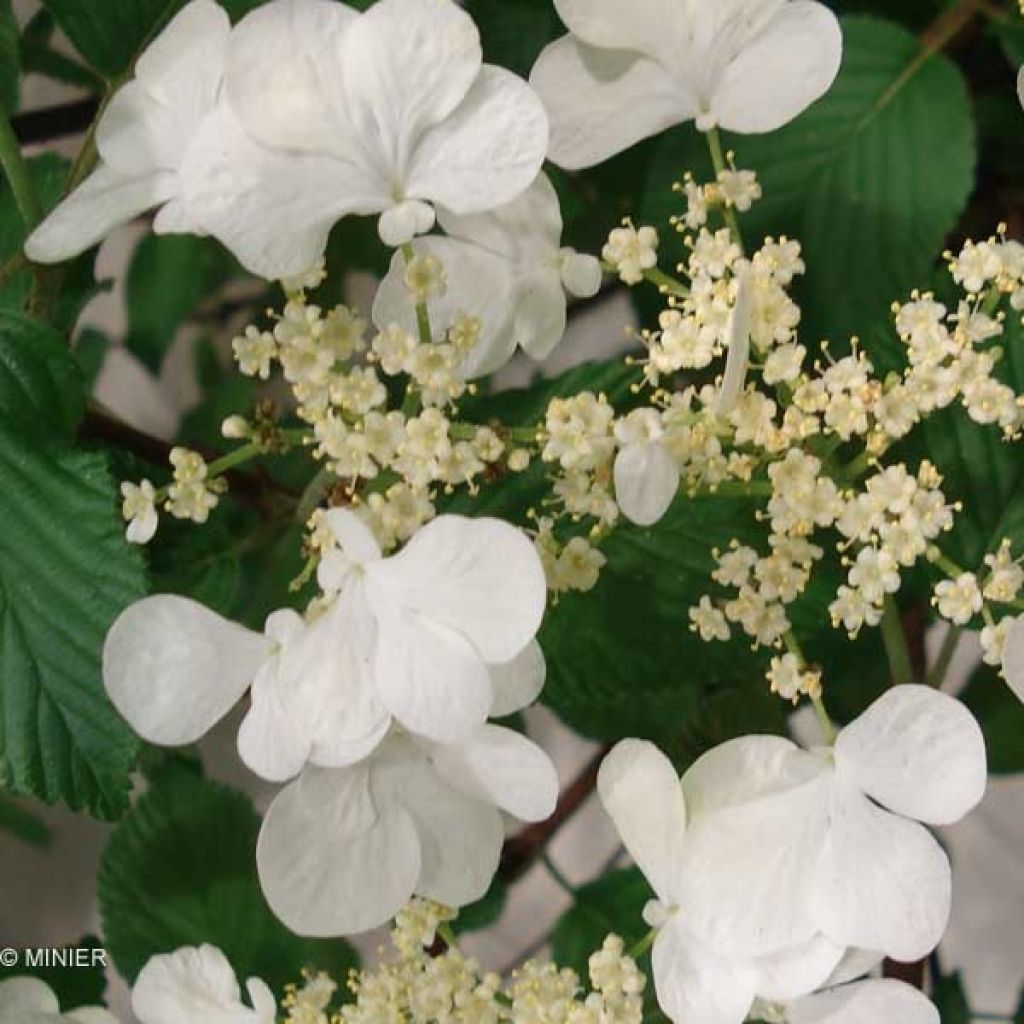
{"x":330,"y":112}
{"x":435,"y":637}
{"x":197,"y":983}
{"x":342,"y":850}
{"x":143,"y":139}
{"x":796,"y":844}
{"x":28,"y":1000}
{"x":627,"y":71}
{"x":645,"y":798}
{"x":506,"y":268}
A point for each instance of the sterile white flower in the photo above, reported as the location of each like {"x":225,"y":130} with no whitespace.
{"x":646,"y":474}
{"x":196,"y":983}
{"x":342,"y":849}
{"x":138,"y":509}
{"x":143,"y":139}
{"x":329,"y":112}
{"x":695,"y":984}
{"x":631,"y":70}
{"x":874,"y":1000}
{"x":825,"y":842}
{"x":519,"y":244}
{"x":431,"y":636}
{"x":28,"y":1000}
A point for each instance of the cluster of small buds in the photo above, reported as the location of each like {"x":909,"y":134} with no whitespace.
{"x":733,"y":189}
{"x":191,"y":494}
{"x":630,"y":251}
{"x":575,"y":565}
{"x":415,"y":987}
{"x":309,"y":1003}
{"x":791,"y":679}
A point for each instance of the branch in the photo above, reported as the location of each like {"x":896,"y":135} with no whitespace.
{"x":523,"y":849}
{"x":48,"y":123}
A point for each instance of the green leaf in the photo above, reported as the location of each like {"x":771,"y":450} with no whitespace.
{"x":10,"y":62}
{"x":168,"y":277}
{"x":612,"y":903}
{"x":74,"y":986}
{"x":1001,"y":717}
{"x":181,"y":870}
{"x":514,"y":33}
{"x":868,"y":179}
{"x":42,"y":394}
{"x":65,"y":574}
{"x":23,"y":824}
{"x":485,"y":911}
{"x":111,"y":35}
{"x":950,"y":999}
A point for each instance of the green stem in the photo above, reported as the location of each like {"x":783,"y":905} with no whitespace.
{"x":638,"y":949}
{"x":556,"y":874}
{"x":666,"y":283}
{"x":896,"y":651}
{"x":444,"y":929}
{"x":824,"y":720}
{"x":718,"y":160}
{"x":937,"y":674}
{"x":17,"y":174}
{"x":422,"y":313}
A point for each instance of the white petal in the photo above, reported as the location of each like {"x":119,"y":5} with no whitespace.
{"x":1013,"y":652}
{"x":284,"y":79}
{"x":104,"y":201}
{"x":174,"y":668}
{"x":796,"y":971}
{"x":642,"y":794}
{"x":25,"y":995}
{"x":262,"y":1000}
{"x":646,"y":482}
{"x":652,"y":27}
{"x":481,"y":577}
{"x":272,"y":209}
{"x":882,"y":882}
{"x":854,"y":964}
{"x":737,"y":336}
{"x":518,"y":683}
{"x":330,"y":861}
{"x":430,"y":677}
{"x":407,"y":65}
{"x":581,"y":274}
{"x":790,"y":64}
{"x":694,"y":986}
{"x":192,"y":983}
{"x":460,"y":836}
{"x":151,"y":121}
{"x":142,"y":528}
{"x":90,"y":1015}
{"x":487,"y":152}
{"x":919,"y":752}
{"x":758,"y":812}
{"x":354,"y":537}
{"x":480,"y":284}
{"x":601,"y":102}
{"x":877,"y":1001}
{"x":402,"y":223}
{"x":501,"y":767}
{"x":540,"y":312}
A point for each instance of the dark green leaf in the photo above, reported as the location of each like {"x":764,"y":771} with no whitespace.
{"x":74,"y":986}
{"x":613,"y":903}
{"x":868,"y":179}
{"x":168,"y":277}
{"x":111,"y":35}
{"x":485,"y":911}
{"x":181,"y":870}
{"x":514,"y":33}
{"x":948,"y":996}
{"x":65,"y":573}
{"x":42,"y":395}
{"x":23,"y":824}
{"x":9,"y":60}
{"x":1001,"y":717}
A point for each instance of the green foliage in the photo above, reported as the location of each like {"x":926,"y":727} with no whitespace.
{"x":869,"y":179}
{"x":485,"y":911}
{"x":65,"y":573}
{"x":73,"y":986}
{"x":168,"y":277}
{"x":16,"y":821}
{"x":180,"y":870}
{"x":1000,"y":714}
{"x":950,"y":999}
{"x":10,"y":62}
{"x":514,"y":33}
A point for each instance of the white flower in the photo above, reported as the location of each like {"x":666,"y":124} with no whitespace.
{"x":1013,"y":655}
{"x":631,"y":251}
{"x":695,"y":984}
{"x":507,"y":269}
{"x":871,"y":1001}
{"x":329,"y":112}
{"x":646,"y":474}
{"x":630,"y":70}
{"x":27,"y":1000}
{"x":432,"y":636}
{"x":196,"y":983}
{"x":143,"y":138}
{"x":341,"y":850}
{"x":809,"y":843}
{"x":138,"y":508}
